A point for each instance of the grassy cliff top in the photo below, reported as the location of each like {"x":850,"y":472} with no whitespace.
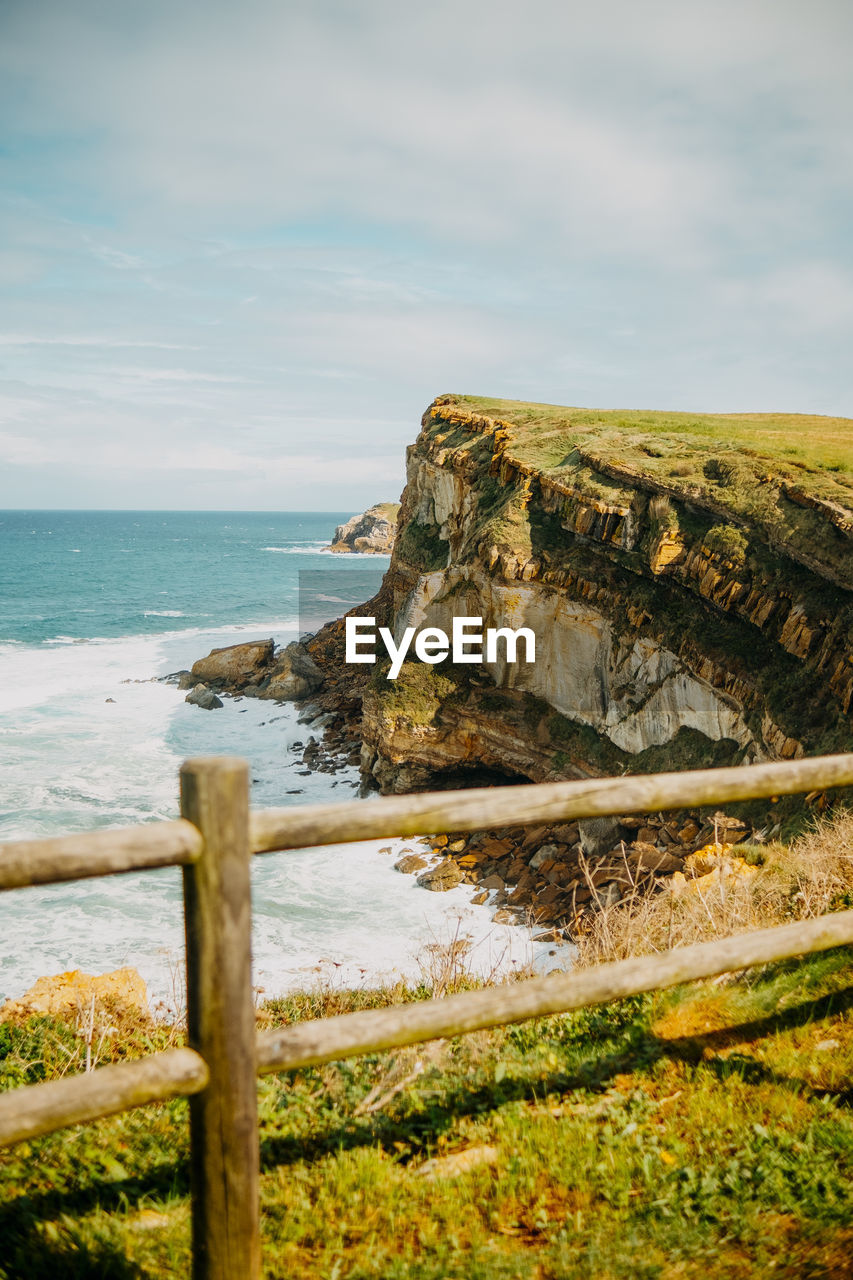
{"x":387,"y":509}
{"x":812,"y":451}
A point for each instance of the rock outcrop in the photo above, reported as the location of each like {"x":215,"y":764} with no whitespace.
{"x":371,"y":533}
{"x":237,"y":665}
{"x":679,"y":621}
{"x":295,"y":675}
{"x":74,"y":991}
{"x":255,"y":669}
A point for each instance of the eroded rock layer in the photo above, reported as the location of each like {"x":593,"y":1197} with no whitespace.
{"x":691,"y":613}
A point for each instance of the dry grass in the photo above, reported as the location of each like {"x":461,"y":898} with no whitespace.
{"x":705,"y":1131}
{"x":808,"y":878}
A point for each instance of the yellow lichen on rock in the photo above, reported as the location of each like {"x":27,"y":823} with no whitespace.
{"x":74,"y":990}
{"x":709,"y":867}
{"x":669,"y":548}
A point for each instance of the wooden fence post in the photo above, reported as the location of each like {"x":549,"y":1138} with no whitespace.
{"x":221,"y":1022}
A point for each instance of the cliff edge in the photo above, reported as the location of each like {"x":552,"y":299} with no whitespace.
{"x":689,"y":579}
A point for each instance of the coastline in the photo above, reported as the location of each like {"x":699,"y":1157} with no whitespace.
{"x":373,"y":931}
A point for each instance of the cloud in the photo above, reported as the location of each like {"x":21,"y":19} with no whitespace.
{"x":585,"y":121}
{"x":342,"y":210}
{"x":29,"y":340}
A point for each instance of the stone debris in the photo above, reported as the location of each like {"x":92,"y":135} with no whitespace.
{"x":447,"y":875}
{"x":543,"y":877}
{"x":202,"y":696}
{"x":412,"y":862}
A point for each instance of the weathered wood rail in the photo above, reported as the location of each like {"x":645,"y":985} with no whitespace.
{"x":213,"y":842}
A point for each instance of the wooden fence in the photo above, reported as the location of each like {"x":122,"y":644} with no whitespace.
{"x":213,"y":842}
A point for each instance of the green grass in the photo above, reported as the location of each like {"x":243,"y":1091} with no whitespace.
{"x":388,"y":509}
{"x":702,"y":1132}
{"x":661,"y":439}
{"x":421,"y":546}
{"x":710,"y":466}
{"x":418,"y":692}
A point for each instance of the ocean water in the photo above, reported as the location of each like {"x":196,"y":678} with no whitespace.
{"x":94,"y":607}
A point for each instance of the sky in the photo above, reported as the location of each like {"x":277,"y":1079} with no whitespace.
{"x":243,"y":245}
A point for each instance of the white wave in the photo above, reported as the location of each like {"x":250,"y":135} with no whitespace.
{"x":90,"y":738}
{"x":164,"y":613}
{"x":310,"y":548}
{"x":67,"y":671}
{"x":368,"y":558}
{"x":339,"y":915}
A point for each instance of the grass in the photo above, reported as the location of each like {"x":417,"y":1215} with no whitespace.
{"x":734,"y":465}
{"x":702,"y":1131}
{"x":418,"y":693}
{"x":663,"y":439}
{"x":802,"y":880}
{"x":388,"y":509}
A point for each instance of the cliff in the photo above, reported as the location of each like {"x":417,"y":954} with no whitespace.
{"x":689,"y":580}
{"x":371,"y":533}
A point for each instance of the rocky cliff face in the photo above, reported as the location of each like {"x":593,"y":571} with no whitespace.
{"x":695,"y":610}
{"x":371,"y":533}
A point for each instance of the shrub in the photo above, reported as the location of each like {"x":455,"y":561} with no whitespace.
{"x":661,"y":512}
{"x":800,"y":881}
{"x":730,"y":470}
{"x":423,"y":547}
{"x":728,"y":541}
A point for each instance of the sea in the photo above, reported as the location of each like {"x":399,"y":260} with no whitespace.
{"x":95,"y":608}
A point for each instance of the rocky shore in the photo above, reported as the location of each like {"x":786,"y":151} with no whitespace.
{"x":549,"y":877}
{"x":554,"y":876}
{"x":692,"y":607}
{"x":253,"y":670}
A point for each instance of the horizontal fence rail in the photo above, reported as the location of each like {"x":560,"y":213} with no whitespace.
{"x":213,"y":841}
{"x":40,"y":1108}
{"x":372,"y":1030}
{"x":100,"y":853}
{"x":483,"y":807}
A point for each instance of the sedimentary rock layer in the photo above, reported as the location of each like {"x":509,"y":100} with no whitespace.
{"x":702,"y":616}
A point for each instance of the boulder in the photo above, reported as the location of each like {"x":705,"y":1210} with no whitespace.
{"x":546,"y":853}
{"x":72,"y":992}
{"x":534,"y":837}
{"x":447,"y":875}
{"x":566,"y":833}
{"x":645,"y":857}
{"x":412,"y":862}
{"x":295,"y":675}
{"x":598,"y":835}
{"x":201,"y":696}
{"x":236,"y":665}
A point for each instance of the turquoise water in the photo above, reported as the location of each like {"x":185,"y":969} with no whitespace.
{"x":94,"y":608}
{"x":85,"y":574}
